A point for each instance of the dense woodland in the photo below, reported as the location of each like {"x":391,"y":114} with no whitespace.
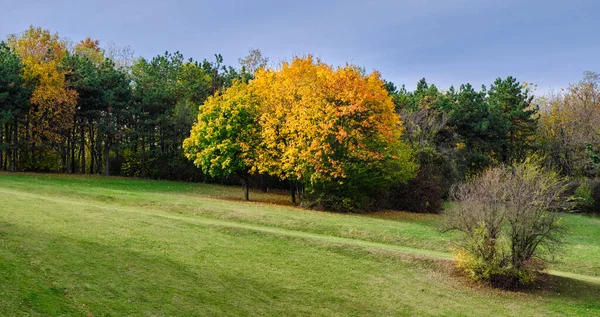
{"x":337,"y":137}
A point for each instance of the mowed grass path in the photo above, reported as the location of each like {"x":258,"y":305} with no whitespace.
{"x":92,"y":246}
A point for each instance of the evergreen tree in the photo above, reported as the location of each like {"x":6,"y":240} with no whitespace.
{"x":14,"y":105}
{"x":512,"y":100}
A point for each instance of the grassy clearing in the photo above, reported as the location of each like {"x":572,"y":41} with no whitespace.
{"x":111,"y":247}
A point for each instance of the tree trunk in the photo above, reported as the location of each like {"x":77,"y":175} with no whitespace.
{"x":300,"y":191}
{"x":263,"y":183}
{"x":2,"y":142}
{"x":92,"y":147}
{"x":72,"y":154}
{"x":246,"y":188}
{"x":292,"y":192}
{"x":82,"y":146}
{"x":162,"y":141}
{"x":107,"y":144}
{"x":28,"y":144}
{"x":66,"y":152}
{"x":11,"y":148}
{"x":116,"y":140}
{"x":98,"y":153}
{"x":13,"y":163}
{"x":106,"y":157}
{"x":2,"y":160}
{"x":143,"y":173}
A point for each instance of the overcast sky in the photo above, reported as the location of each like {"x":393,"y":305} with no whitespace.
{"x":548,"y":42}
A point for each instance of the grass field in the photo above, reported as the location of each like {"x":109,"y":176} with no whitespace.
{"x":93,"y":246}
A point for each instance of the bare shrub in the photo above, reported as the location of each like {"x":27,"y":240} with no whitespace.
{"x":510,"y":218}
{"x":570,"y":126}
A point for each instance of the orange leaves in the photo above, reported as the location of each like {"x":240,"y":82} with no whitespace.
{"x":41,"y":52}
{"x":309,"y":122}
{"x":91,"y":49}
{"x":89,"y":43}
{"x":341,"y":134}
{"x":317,"y":120}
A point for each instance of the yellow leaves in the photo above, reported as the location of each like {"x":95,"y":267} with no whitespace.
{"x":41,"y":52}
{"x":91,"y":49}
{"x":314,"y":118}
{"x":309,"y":121}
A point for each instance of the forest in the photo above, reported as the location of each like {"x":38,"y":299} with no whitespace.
{"x":337,"y":138}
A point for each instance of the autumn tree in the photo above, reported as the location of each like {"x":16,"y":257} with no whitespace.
{"x":333,"y":130}
{"x":52,"y":113}
{"x":90,"y":48}
{"x":570,"y":126}
{"x":224,"y":139}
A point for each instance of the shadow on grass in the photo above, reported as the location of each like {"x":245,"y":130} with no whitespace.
{"x":57,"y":275}
{"x":558,"y":286}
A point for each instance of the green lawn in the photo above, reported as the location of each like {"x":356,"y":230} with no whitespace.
{"x":93,"y":246}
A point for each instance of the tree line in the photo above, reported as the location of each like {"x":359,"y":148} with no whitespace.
{"x":337,"y":137}
{"x":82,"y":109}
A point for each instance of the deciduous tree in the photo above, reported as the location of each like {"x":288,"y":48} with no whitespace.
{"x":224,"y":139}
{"x":321,"y":125}
{"x":509,"y":220}
{"x":570,"y":124}
{"x":53,"y":103}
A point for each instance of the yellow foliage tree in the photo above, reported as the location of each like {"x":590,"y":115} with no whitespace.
{"x":53,"y":105}
{"x":334,"y":131}
{"x":90,"y":48}
{"x":569,"y":123}
{"x":321,"y":125}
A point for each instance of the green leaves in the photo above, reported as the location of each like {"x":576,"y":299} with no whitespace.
{"x":14,"y":96}
{"x":333,"y":129}
{"x":498,"y":125}
{"x":224,"y":139}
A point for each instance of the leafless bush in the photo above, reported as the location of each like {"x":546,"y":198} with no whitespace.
{"x":509,"y":216}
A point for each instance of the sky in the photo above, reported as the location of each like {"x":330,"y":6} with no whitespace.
{"x":550,"y":43}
